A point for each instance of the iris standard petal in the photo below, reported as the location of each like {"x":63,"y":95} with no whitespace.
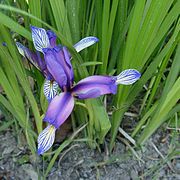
{"x":63,"y":57}
{"x":54,"y":67}
{"x":94,"y":86}
{"x":59,"y":109}
{"x":40,"y":38}
{"x":85,"y":42}
{"x":50,"y":89}
{"x":46,"y":139}
{"x":52,"y":38}
{"x":127,"y":77}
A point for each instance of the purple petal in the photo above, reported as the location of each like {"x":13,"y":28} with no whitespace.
{"x":46,"y":139}
{"x":61,"y":57}
{"x":25,"y":52}
{"x":52,"y":38}
{"x":34,"y":58}
{"x":59,"y":109}
{"x":127,"y":77}
{"x":85,"y":42}
{"x":40,"y":38}
{"x":94,"y":86}
{"x":50,"y":89}
{"x":54,"y":67}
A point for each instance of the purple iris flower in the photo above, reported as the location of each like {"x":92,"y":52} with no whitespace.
{"x":43,"y":39}
{"x":58,"y":65}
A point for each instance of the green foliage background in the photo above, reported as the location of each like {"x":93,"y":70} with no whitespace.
{"x":143,"y":35}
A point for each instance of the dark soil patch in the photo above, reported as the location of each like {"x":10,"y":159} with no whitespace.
{"x":82,"y":163}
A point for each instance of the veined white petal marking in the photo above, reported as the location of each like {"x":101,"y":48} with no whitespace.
{"x":20,"y":48}
{"x":40,"y":38}
{"x":46,"y":139}
{"x":128,"y":76}
{"x":50,"y":89}
{"x":85,"y":42}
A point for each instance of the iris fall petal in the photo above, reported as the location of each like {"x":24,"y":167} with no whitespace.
{"x":127,"y":77}
{"x":94,"y":86}
{"x":85,"y":42}
{"x":40,"y":38}
{"x":59,"y":109}
{"x":46,"y":139}
{"x":50,"y":89}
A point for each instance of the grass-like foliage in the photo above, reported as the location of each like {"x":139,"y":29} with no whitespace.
{"x":142,"y":35}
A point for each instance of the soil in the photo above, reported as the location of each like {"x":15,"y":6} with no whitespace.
{"x":79,"y":162}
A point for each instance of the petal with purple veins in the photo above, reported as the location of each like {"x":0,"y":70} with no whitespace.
{"x":59,"y":109}
{"x":85,"y":42}
{"x":94,"y":86}
{"x":40,"y":38}
{"x":46,"y":139}
{"x":50,"y":89}
{"x":127,"y":77}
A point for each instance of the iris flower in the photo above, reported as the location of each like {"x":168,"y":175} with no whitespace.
{"x":47,"y":39}
{"x":57,"y":62}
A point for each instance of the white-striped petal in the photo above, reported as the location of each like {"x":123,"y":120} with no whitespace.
{"x":50,"y":89}
{"x":46,"y":139}
{"x":85,"y":42}
{"x":128,"y":76}
{"x":40,"y":38}
{"x":21,"y":48}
